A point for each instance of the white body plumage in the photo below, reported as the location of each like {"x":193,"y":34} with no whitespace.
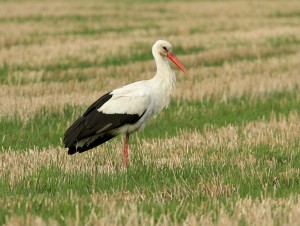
{"x":126,"y":109}
{"x":147,"y":97}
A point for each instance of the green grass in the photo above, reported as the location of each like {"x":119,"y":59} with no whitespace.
{"x":224,"y":160}
{"x":47,"y":128}
{"x":283,"y":41}
{"x":196,"y":115}
{"x":4,"y":71}
{"x":292,"y":14}
{"x":58,"y":191}
{"x":51,"y":19}
{"x":139,"y":54}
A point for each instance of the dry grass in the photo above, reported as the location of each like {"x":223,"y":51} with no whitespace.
{"x":25,"y":100}
{"x":226,"y":33}
{"x":252,"y":212}
{"x":188,"y":148}
{"x":55,"y":53}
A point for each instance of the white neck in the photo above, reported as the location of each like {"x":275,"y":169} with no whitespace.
{"x":164,"y":82}
{"x":164,"y":70}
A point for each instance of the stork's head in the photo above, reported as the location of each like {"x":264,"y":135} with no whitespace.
{"x":163,"y":49}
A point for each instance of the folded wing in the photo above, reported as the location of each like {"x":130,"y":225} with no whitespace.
{"x":113,"y":110}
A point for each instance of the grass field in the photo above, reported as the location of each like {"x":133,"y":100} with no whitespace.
{"x":225,"y":152}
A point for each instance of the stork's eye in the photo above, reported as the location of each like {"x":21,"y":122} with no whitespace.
{"x":165,"y":48}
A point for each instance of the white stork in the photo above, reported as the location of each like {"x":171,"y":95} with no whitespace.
{"x":126,"y":109}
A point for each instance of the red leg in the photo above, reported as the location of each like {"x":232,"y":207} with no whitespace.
{"x":125,"y":152}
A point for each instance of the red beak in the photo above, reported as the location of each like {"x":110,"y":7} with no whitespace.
{"x":175,"y":60}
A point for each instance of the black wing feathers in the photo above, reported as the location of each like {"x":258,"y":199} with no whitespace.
{"x":72,"y":134}
{"x":98,"y":103}
{"x":100,"y":140}
{"x":95,"y":123}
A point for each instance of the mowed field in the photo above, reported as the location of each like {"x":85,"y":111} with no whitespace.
{"x":225,"y":151}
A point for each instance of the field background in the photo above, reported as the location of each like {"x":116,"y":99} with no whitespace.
{"x":225,"y":152}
